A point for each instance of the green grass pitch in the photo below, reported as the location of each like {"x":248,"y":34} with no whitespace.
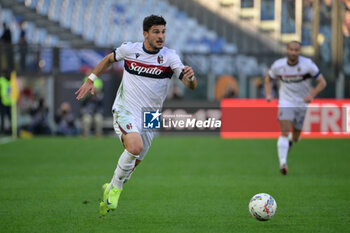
{"x":185,"y":184}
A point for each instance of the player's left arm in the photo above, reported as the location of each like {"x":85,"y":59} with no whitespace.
{"x":184,"y":73}
{"x":321,"y":84}
{"x":188,"y":78}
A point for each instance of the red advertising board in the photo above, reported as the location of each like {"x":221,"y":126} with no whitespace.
{"x":257,"y":118}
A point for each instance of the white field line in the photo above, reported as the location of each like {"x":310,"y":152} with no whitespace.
{"x":6,"y":140}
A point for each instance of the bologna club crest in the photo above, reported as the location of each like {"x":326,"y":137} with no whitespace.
{"x":129,"y":126}
{"x":160,"y":59}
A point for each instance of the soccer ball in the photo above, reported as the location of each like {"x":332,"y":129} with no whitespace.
{"x":262,"y":206}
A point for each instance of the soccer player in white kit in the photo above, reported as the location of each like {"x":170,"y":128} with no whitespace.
{"x":148,"y":67}
{"x":295,"y":73}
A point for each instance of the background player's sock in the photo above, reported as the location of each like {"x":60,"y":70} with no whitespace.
{"x":290,"y":140}
{"x":290,"y":136}
{"x":125,"y":165}
{"x":282,"y":149}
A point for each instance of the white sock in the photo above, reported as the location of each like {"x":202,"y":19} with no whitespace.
{"x":282,"y":149}
{"x":129,"y":175}
{"x":126,"y":164}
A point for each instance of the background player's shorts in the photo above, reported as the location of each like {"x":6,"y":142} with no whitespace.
{"x":293,"y":113}
{"x":126,"y":123}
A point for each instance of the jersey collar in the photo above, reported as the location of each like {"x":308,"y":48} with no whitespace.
{"x":147,"y":51}
{"x":293,"y":64}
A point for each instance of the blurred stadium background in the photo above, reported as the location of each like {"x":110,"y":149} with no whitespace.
{"x":229,"y":43}
{"x":188,"y":184}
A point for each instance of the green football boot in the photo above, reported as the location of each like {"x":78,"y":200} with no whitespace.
{"x":103,"y":206}
{"x":103,"y":209}
{"x":110,"y":199}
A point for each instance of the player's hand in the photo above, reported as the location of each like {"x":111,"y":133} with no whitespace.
{"x":308,"y":98}
{"x":88,"y":86}
{"x":188,"y":72}
{"x":269,"y":98}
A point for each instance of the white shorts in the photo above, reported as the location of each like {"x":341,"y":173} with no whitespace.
{"x":292,"y":112}
{"x":125,"y":123}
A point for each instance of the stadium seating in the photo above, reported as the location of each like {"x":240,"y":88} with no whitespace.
{"x":81,"y":18}
{"x":35,"y":35}
{"x":110,"y":25}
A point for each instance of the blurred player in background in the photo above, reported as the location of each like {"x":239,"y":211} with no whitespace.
{"x":295,"y":73}
{"x":148,"y":67}
{"x":5,"y":101}
{"x":65,"y":121}
{"x":92,"y":110}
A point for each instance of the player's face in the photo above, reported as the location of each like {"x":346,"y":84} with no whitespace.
{"x":155,"y":37}
{"x":293,"y":52}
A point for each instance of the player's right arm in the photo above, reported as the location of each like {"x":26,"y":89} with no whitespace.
{"x":88,"y":86}
{"x":268,"y":86}
{"x":270,"y":75}
{"x":117,"y":55}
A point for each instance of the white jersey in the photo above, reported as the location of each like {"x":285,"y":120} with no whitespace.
{"x":146,"y":77}
{"x":295,"y":80}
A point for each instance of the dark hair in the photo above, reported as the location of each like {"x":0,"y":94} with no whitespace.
{"x":151,"y":20}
